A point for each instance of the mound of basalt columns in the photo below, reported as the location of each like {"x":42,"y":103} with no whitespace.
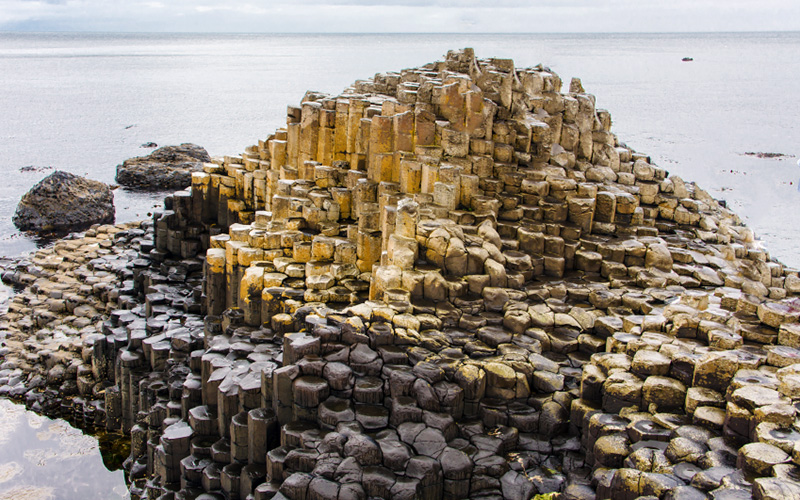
{"x":448,"y":282}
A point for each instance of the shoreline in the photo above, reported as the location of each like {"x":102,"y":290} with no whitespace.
{"x":53,"y":280}
{"x":74,"y":295}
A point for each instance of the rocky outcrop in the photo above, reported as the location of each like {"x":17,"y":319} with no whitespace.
{"x":64,"y":202}
{"x":168,"y":167}
{"x":449,"y":282}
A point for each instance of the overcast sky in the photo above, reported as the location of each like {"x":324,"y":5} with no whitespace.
{"x":379,"y":16}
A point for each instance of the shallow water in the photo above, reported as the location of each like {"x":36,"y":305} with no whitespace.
{"x":45,"y":459}
{"x":86,"y":102}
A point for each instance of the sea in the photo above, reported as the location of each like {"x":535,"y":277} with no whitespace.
{"x":728,"y":119}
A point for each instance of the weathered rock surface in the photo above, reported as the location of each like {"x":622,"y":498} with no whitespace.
{"x":64,"y":202}
{"x":168,"y":167}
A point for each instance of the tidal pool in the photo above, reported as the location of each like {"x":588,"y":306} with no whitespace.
{"x":45,"y":459}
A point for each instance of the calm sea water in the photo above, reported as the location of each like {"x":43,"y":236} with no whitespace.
{"x":44,"y":459}
{"x":86,"y":102}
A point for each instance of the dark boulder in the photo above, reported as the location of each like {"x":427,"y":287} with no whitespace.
{"x":168,"y":167}
{"x":64,"y":202}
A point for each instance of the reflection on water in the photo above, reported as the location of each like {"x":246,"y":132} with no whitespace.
{"x":29,"y":492}
{"x":43,"y":459}
{"x":9,"y":471}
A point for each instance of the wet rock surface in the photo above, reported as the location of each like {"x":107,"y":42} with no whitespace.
{"x":515,"y":304}
{"x":63,"y":202}
{"x":168,"y":167}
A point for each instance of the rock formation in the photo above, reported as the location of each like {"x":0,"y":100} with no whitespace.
{"x":64,"y":202}
{"x":448,"y":282}
{"x":168,"y":167}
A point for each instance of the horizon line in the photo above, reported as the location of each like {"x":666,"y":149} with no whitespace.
{"x":494,"y":33}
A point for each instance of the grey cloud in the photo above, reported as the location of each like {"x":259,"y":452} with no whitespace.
{"x":398,"y":15}
{"x":458,"y":4}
